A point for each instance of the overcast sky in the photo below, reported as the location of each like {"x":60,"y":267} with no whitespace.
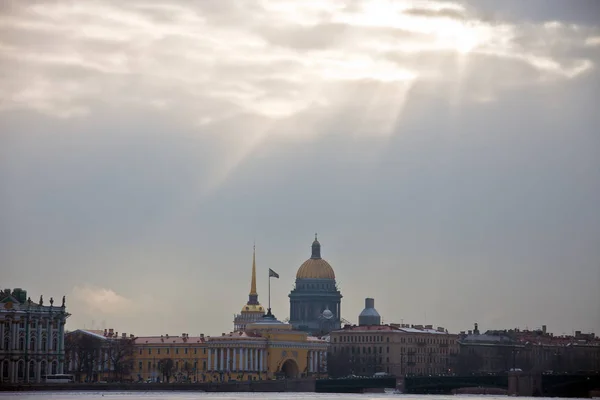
{"x":447,"y":153}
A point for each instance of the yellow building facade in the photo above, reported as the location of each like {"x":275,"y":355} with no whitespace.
{"x":173,"y":358}
{"x":267,"y":349}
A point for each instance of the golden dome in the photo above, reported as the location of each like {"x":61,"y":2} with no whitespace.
{"x":253,"y":308}
{"x":315,"y":268}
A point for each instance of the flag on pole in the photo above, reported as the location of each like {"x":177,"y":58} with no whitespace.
{"x":273,"y":274}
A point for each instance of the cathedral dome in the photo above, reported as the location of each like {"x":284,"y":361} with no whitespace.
{"x":315,"y":267}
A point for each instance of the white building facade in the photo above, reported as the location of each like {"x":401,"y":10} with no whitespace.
{"x":32,"y":337}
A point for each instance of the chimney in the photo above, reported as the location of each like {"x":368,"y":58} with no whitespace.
{"x":544,"y":329}
{"x":123,"y":335}
{"x":110,"y":332}
{"x":202,"y":335}
{"x":131,"y":336}
{"x":105,"y":332}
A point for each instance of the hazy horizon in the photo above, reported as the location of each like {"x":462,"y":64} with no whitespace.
{"x":446,"y":152}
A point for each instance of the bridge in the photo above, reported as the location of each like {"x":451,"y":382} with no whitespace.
{"x":571,"y":385}
{"x":446,"y":384}
{"x":520,"y":384}
{"x":355,"y":385}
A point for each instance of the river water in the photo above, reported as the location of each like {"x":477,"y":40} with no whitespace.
{"x":229,"y":396}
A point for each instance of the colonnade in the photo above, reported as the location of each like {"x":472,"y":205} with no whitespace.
{"x":317,"y":362}
{"x":236,"y":359}
{"x":32,"y":371}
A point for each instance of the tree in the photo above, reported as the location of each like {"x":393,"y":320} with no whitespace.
{"x":165,"y":366}
{"x":82,"y":352}
{"x":120,"y":353}
{"x":187,"y":368}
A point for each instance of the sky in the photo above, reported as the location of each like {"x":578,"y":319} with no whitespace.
{"x":447,"y":153}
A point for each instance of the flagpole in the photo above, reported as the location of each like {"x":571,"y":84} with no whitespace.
{"x":269,"y":291}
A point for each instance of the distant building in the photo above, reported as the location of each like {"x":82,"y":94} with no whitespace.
{"x":498,"y":351}
{"x":396,"y":349}
{"x":32,"y":337}
{"x":315,"y":302}
{"x":252,"y":311}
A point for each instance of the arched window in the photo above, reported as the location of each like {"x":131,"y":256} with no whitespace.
{"x":54,"y":344}
{"x":5,"y":369}
{"x":21,"y":369}
{"x":6,"y":342}
{"x":31,"y":370}
{"x":44,"y":343}
{"x":55,"y":367}
{"x":44,"y":368}
{"x":32,"y":344}
{"x":21,"y":343}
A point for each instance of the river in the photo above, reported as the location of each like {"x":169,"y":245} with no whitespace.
{"x":229,"y":396}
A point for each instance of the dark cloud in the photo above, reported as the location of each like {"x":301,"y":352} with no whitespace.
{"x":441,"y":13}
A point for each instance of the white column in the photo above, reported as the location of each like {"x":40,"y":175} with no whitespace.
{"x":49,"y":336}
{"x":15,"y":336}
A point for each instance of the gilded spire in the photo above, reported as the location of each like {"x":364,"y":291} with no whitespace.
{"x":253,"y":283}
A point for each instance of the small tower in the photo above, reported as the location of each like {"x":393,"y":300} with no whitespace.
{"x":369,"y":316}
{"x":253,"y":310}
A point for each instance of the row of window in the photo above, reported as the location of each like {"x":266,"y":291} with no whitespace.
{"x":185,"y":366}
{"x":379,"y":338}
{"x":329,"y":286}
{"x":33,"y":324}
{"x":360,"y":339}
{"x":168,"y":350}
{"x":365,"y":350}
{"x":6,"y":344}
